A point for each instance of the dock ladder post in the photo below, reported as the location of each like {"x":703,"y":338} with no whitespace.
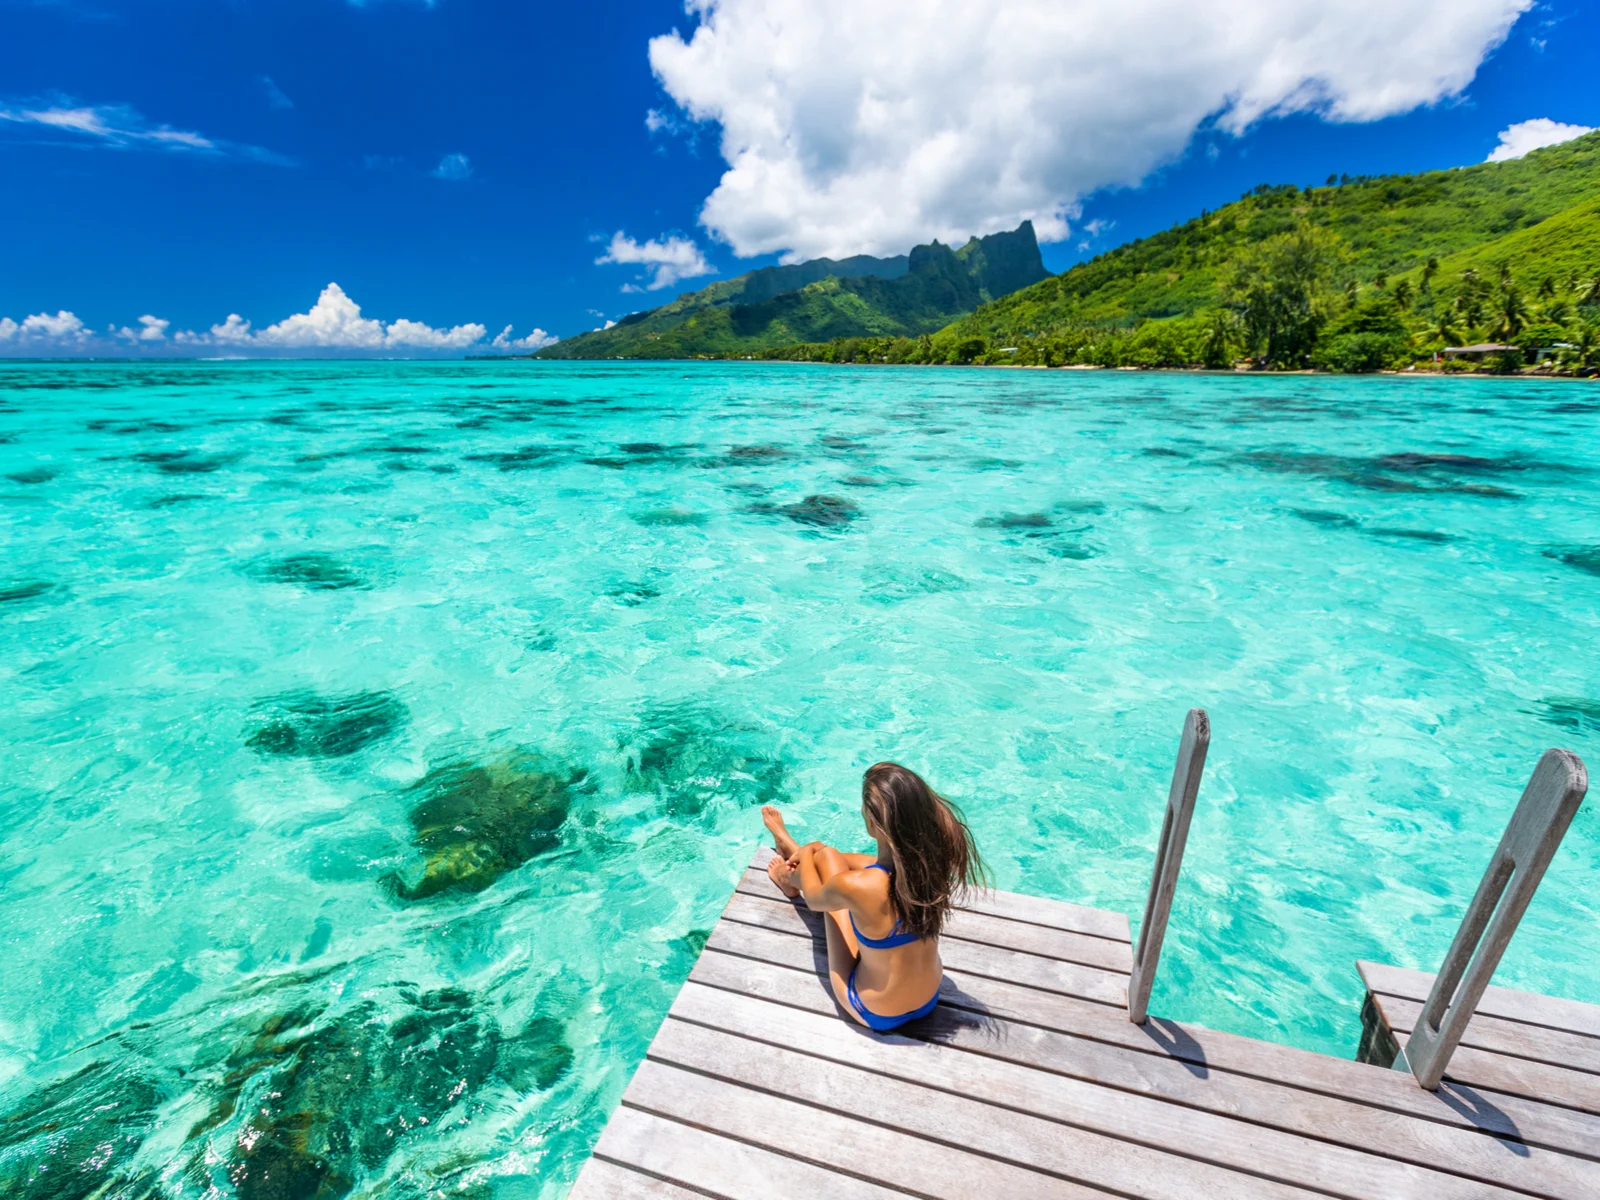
{"x":1547,"y":807}
{"x":1169,"y":858}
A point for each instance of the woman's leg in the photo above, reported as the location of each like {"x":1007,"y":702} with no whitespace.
{"x":844,"y":952}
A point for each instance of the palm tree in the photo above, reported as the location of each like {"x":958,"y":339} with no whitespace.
{"x":1511,"y":314}
{"x":1402,"y":293}
{"x":1443,"y":332}
{"x":1547,"y":288}
{"x":1588,"y":290}
{"x":1429,"y":270}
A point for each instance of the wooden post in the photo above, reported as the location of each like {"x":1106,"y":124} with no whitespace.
{"x":1169,"y":858}
{"x":1546,"y":809}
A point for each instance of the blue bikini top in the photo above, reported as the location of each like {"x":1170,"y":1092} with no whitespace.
{"x":896,"y":938}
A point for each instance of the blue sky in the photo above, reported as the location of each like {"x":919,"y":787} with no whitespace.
{"x":466,"y":162}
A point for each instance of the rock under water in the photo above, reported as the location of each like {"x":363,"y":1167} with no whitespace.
{"x":1576,"y":713}
{"x":690,"y":758}
{"x":1584,"y":558}
{"x":817,"y":512}
{"x":474,"y":822}
{"x":24,"y":589}
{"x":77,"y":1137}
{"x":329,"y":1101}
{"x":314,"y":571}
{"x":304,"y":724}
{"x":33,"y":475}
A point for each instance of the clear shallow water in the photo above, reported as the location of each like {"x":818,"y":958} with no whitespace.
{"x":380,"y":739}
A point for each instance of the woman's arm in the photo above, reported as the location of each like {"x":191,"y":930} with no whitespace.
{"x":825,"y":879}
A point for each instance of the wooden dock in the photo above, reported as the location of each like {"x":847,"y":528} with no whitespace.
{"x":1029,"y":1080}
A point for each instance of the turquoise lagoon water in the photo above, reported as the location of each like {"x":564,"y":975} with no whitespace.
{"x":381,"y":739}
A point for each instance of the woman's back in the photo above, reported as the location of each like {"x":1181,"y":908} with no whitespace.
{"x":885,"y":910}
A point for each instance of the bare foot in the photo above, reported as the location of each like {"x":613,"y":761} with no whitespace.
{"x":782,"y":840}
{"x":778,"y":871}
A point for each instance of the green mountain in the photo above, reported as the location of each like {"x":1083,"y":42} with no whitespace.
{"x":814,"y":301}
{"x":1514,"y":247}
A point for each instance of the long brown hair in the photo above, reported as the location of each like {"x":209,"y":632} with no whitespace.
{"x":935,"y":858}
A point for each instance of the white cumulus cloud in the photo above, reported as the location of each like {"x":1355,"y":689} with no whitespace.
{"x":667,"y":261}
{"x":44,"y":329}
{"x":151,"y":329}
{"x":335,"y":322}
{"x":1517,"y":140}
{"x":536,"y":340}
{"x":454,"y":167}
{"x":855,"y":126}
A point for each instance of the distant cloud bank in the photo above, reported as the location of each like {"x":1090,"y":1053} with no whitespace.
{"x":333,"y":323}
{"x":1527,"y":136}
{"x":851,"y":128}
{"x":666,"y":261}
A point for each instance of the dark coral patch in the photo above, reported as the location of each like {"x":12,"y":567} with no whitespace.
{"x":77,"y":1137}
{"x":691,"y":759}
{"x":169,"y":500}
{"x":304,"y":724}
{"x":1458,"y":474}
{"x":1584,"y":558}
{"x":757,"y":453}
{"x":474,"y":822}
{"x":1164,"y":452}
{"x":1021,"y":521}
{"x":524,"y":458}
{"x":670,"y":516}
{"x":1413,"y":535}
{"x":329,"y":1103}
{"x":33,"y":475}
{"x":816,"y":512}
{"x":184,"y":462}
{"x":316,"y":572}
{"x":1575,"y":713}
{"x":1328,"y":520}
{"x":25,"y":589}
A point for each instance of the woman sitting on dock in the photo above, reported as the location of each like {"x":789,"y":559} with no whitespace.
{"x":884,"y":910}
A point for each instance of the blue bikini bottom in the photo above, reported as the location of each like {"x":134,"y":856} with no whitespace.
{"x":877,"y":1020}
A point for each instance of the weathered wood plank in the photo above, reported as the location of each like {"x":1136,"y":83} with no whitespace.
{"x":1144,"y":1118}
{"x":721,"y":1166}
{"x":1012,"y":906}
{"x":1496,"y":1035}
{"x":976,"y":927}
{"x":1524,"y":1077}
{"x":1091,"y":983}
{"x":602,"y":1180}
{"x":1030,"y":1141}
{"x":1351,"y":1123}
{"x":1038,"y":940}
{"x":891,"y":1158}
{"x":1530,"y":1008}
{"x":785,"y":969}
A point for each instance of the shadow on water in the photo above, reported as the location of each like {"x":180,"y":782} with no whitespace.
{"x":474,"y":822}
{"x":303,"y":724}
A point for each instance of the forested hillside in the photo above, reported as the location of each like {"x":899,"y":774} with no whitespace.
{"x":814,"y":301}
{"x":1352,"y":275}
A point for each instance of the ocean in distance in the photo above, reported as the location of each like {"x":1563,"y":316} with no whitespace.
{"x":381,"y":739}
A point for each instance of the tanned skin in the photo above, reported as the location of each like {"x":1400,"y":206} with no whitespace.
{"x":843,"y":886}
